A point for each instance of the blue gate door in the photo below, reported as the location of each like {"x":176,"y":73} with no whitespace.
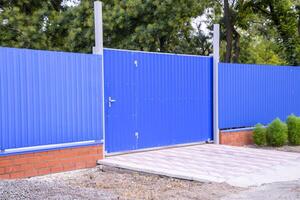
{"x":120,"y":101}
{"x":155,"y":100}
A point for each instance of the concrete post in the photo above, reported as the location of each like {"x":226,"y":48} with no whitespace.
{"x":216,"y":58}
{"x":98,"y":49}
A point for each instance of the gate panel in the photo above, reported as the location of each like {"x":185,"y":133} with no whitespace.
{"x":175,"y":100}
{"x":161,"y":99}
{"x":120,"y":86}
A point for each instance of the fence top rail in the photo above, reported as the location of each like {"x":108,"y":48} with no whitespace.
{"x":113,"y":49}
{"x":255,"y":65}
{"x":159,"y":53}
{"x":48,"y":51}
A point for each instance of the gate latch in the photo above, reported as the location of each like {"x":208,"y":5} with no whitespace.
{"x":110,"y":101}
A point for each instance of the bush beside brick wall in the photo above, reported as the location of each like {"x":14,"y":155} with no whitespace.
{"x":53,"y":161}
{"x":236,"y":138}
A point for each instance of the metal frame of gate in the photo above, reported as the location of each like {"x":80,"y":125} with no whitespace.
{"x":206,"y":63}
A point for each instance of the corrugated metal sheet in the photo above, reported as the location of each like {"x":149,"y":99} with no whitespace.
{"x":251,"y":94}
{"x":120,"y":84}
{"x":49,"y":98}
{"x":161,"y":99}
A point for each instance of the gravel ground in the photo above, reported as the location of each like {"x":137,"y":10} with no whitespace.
{"x":275,"y":191}
{"x":35,"y":189}
{"x":111,"y":183}
{"x":295,"y":149}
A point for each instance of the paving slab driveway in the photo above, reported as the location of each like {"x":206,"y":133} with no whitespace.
{"x":237,"y":166}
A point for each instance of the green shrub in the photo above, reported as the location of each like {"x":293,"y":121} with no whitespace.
{"x":293,"y":124}
{"x":259,"y":135}
{"x":277,"y":133}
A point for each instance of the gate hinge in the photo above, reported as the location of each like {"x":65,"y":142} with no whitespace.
{"x":137,"y":135}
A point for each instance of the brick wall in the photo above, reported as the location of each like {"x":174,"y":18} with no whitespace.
{"x":41,"y":163}
{"x":236,"y":138}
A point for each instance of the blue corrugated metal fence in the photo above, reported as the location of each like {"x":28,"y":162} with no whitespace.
{"x":159,"y":99}
{"x":251,"y":94}
{"x":151,"y":99}
{"x":49,"y":98}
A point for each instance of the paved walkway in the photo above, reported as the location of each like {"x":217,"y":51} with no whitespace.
{"x":237,"y":166}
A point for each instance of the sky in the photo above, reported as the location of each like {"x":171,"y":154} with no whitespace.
{"x":71,"y":2}
{"x":203,"y":26}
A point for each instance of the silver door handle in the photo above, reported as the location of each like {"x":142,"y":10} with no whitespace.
{"x":110,"y":101}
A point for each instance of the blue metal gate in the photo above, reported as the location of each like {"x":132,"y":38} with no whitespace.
{"x":155,"y":100}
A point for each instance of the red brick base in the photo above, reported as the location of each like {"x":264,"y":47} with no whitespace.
{"x":236,"y":138}
{"x":53,"y":161}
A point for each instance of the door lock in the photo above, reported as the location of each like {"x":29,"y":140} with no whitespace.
{"x":110,"y":101}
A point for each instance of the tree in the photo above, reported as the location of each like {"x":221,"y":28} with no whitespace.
{"x":153,"y":25}
{"x":26,"y":23}
{"x":234,"y":18}
{"x":195,"y":42}
{"x":229,"y":30}
{"x":257,"y":49}
{"x":242,"y":20}
{"x":158,"y":25}
{"x":283,"y":15}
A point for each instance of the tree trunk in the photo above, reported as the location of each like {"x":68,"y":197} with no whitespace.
{"x":162,"y":43}
{"x":298,"y":10}
{"x":236,"y":46}
{"x":228,"y":28}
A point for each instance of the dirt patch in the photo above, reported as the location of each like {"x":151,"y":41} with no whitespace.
{"x":55,"y":189}
{"x":274,"y":191}
{"x":286,"y":148}
{"x":112,"y":183}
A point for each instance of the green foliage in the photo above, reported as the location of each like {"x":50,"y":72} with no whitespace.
{"x":264,"y":31}
{"x":153,"y":25}
{"x":259,"y":135}
{"x":259,"y":50}
{"x":79,"y":24}
{"x":293,"y":124}
{"x":277,"y":133}
{"x":24,"y":23}
{"x":282,"y":20}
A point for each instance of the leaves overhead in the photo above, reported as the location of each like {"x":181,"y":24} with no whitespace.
{"x":253,"y":31}
{"x":149,"y":25}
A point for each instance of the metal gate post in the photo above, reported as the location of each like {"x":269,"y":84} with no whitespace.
{"x":216,"y":58}
{"x":98,"y":49}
